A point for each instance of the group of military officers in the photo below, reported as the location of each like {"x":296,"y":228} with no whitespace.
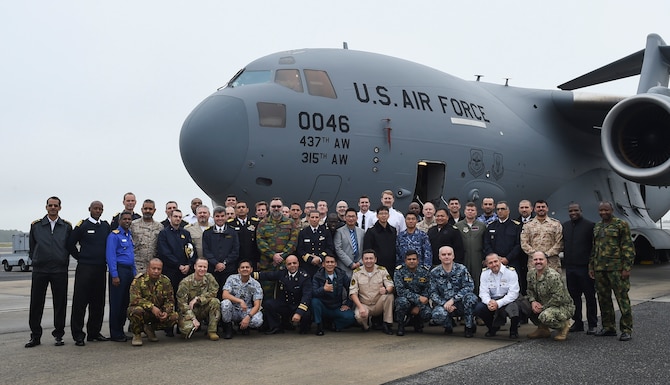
{"x":195,"y":272}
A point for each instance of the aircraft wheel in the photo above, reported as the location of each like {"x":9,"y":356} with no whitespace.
{"x":6,"y":266}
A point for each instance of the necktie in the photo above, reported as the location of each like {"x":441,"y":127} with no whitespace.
{"x":363,"y":222}
{"x":354,"y":241}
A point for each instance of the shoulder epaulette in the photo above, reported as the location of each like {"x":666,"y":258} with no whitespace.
{"x":381,"y":267}
{"x":68,"y":222}
{"x":116,"y":215}
{"x":80,"y":222}
{"x":455,"y":227}
{"x":207,"y":228}
{"x":511,"y":268}
{"x":190,"y":225}
{"x":356,"y":270}
{"x":231,"y":220}
{"x":36,"y":220}
{"x":139,"y":275}
{"x":398,"y":267}
{"x":116,"y":231}
{"x":255,"y":219}
{"x":516,"y":222}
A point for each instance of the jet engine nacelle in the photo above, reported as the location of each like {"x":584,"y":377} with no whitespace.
{"x":635,"y":137}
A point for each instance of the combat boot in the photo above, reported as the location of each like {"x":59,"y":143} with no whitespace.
{"x":213,"y":336}
{"x":151,"y":334}
{"x":137,"y":340}
{"x":227,"y":331}
{"x":542,"y":331}
{"x":401,"y":329}
{"x":563,"y":334}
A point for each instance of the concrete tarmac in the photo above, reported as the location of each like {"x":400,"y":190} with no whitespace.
{"x":341,"y":358}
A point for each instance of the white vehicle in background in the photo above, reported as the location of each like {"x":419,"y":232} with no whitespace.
{"x":19,"y":256}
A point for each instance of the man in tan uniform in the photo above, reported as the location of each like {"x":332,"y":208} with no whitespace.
{"x":544,"y":234}
{"x":371,"y":290}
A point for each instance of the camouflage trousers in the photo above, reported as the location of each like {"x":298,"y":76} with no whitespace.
{"x":209,"y":310}
{"x":403,"y":305}
{"x":552,"y":317}
{"x":234,"y":313}
{"x":465,"y":308}
{"x":606,"y":283}
{"x":140,"y":317}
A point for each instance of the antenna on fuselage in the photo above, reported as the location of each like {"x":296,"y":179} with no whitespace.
{"x":345,"y":45}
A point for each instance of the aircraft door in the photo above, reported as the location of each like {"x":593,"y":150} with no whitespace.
{"x":326,"y":187}
{"x":430,"y":178}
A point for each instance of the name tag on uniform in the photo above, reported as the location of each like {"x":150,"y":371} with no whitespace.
{"x":475,"y":228}
{"x":124,"y":240}
{"x":91,"y":231}
{"x":321,"y":238}
{"x":307,"y":240}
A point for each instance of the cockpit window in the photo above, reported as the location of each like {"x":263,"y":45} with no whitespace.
{"x":318,"y":84}
{"x":290,"y":79}
{"x":245,"y":78}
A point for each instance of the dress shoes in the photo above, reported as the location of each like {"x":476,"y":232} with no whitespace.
{"x":33,"y":342}
{"x":320,"y":332}
{"x":491,"y":332}
{"x":387,"y":328}
{"x":591,"y":331}
{"x":513,"y":335}
{"x":448,"y":330}
{"x":274,"y":331}
{"x":59,"y":341}
{"x":121,"y":338}
{"x":576,"y":328}
{"x":470,"y":332}
{"x":80,"y":343}
{"x":605,"y":333}
{"x":625,"y":336}
{"x":99,"y":338}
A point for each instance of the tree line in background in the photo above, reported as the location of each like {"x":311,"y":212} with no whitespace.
{"x":6,"y":235}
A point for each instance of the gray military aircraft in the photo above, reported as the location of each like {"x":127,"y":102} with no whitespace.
{"x":334,"y":124}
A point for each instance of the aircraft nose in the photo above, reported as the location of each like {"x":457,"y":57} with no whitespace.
{"x":213,"y":143}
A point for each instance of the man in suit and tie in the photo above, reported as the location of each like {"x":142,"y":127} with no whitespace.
{"x":349,"y":243}
{"x":314,"y":243}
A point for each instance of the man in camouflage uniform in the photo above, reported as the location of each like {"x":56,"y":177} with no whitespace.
{"x":412,"y":286}
{"x":413,"y":239}
{"x":151,"y":303}
{"x":549,"y":304}
{"x":451,"y":290}
{"x":612,"y":258}
{"x":242,"y":297}
{"x":277,"y":238}
{"x":196,"y":301}
{"x":371,"y":290}
{"x":544,"y":234}
{"x":145,"y":236}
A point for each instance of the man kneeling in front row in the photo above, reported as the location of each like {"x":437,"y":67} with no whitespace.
{"x":499,"y":292}
{"x":197,"y":302}
{"x":151,"y":303}
{"x":242,"y":296}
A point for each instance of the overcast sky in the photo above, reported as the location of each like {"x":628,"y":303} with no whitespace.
{"x":94,"y":93}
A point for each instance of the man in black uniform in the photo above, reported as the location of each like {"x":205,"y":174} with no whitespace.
{"x":129,"y":202}
{"x":170,"y":206}
{"x":444,"y":234}
{"x":577,"y":244}
{"x":502,"y":238}
{"x":294,"y":294}
{"x":91,"y":275}
{"x":176,"y":251}
{"x":314,"y":243}
{"x":245,"y":227}
{"x":221,"y":248}
{"x":50,"y":255}
{"x":381,"y":238}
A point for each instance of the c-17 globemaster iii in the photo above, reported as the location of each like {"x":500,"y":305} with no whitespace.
{"x":334,"y":124}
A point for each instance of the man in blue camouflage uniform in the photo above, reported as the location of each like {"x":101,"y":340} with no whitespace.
{"x":294,"y":296}
{"x":242,"y":296}
{"x":451,"y":290}
{"x":412,"y":285}
{"x":413,"y":239}
{"x":612,"y":258}
{"x":151,"y":303}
